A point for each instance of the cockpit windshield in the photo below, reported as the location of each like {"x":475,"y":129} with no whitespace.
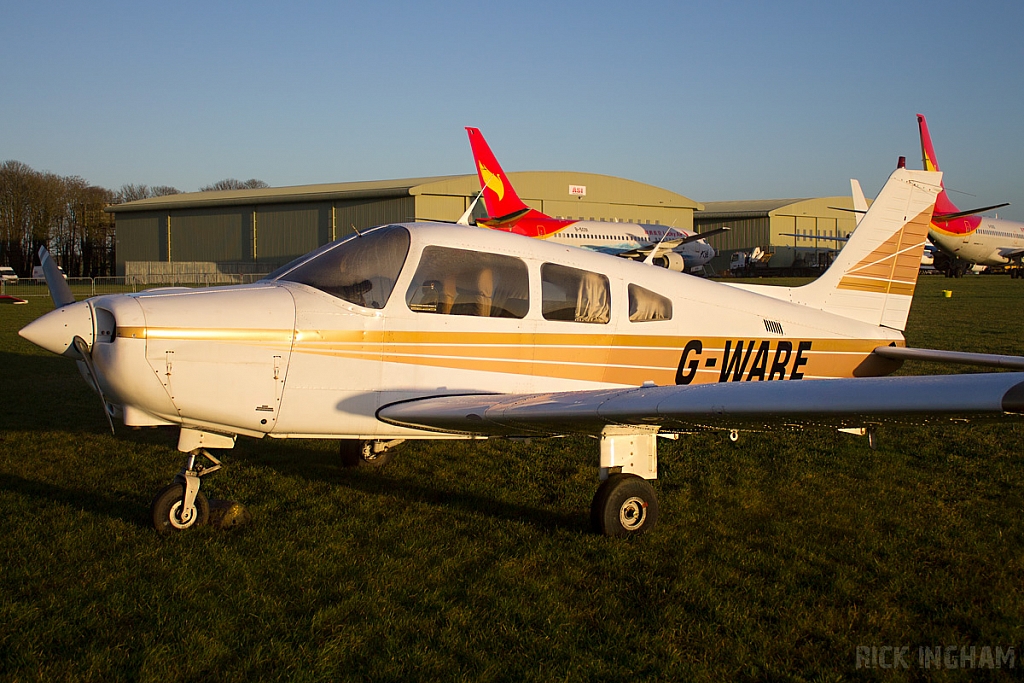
{"x":361,"y":270}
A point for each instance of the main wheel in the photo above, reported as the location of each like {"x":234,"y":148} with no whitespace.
{"x":168,"y":511}
{"x":356,"y":453}
{"x":624,"y":505}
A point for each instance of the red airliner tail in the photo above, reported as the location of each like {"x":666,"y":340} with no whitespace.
{"x":500,"y":197}
{"x":942,"y":203}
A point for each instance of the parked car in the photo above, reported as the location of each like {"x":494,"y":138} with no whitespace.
{"x":7,"y":274}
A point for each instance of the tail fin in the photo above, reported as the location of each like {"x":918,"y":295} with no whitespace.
{"x":860,"y":203}
{"x":873,"y":278}
{"x":942,"y":204}
{"x":500,"y":197}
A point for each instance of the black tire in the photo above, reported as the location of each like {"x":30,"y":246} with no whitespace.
{"x":355,"y":453}
{"x":166,"y":510}
{"x":624,"y":505}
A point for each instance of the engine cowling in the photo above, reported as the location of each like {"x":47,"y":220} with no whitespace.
{"x":672,"y":260}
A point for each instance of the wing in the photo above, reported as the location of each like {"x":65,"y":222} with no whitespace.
{"x":943,"y":217}
{"x":778,"y":405}
{"x":654,"y":250}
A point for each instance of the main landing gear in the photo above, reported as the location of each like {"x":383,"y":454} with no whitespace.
{"x":625,"y":503}
{"x":358,"y":453}
{"x":182,"y":505}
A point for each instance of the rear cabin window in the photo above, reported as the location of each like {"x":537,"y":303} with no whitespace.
{"x":463,"y":282}
{"x":646,"y":306}
{"x":362,"y":270}
{"x":574,"y":295}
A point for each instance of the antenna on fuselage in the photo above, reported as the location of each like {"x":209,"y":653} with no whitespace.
{"x":464,"y":219}
{"x":356,"y":230}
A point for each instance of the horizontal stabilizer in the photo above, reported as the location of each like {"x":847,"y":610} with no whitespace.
{"x":989,"y":360}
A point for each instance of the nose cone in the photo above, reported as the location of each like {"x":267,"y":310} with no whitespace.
{"x":56,"y":330}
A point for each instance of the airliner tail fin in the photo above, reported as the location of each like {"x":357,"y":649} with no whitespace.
{"x":500,"y":198}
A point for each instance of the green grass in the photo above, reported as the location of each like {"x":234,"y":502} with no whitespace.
{"x":774,"y":558}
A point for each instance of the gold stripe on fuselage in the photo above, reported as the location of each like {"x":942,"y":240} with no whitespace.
{"x":626,"y":359}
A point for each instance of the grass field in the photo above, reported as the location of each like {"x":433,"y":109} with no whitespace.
{"x":775,"y":558}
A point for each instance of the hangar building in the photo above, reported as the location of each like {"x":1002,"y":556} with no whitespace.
{"x":797,"y":232}
{"x":221,"y":236}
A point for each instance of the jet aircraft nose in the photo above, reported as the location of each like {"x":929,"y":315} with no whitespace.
{"x":57,"y":330}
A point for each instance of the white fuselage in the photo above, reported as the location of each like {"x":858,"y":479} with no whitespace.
{"x":996,"y":242}
{"x":287,"y":359}
{"x":616,"y":238}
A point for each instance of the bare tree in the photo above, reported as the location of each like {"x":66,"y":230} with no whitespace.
{"x":16,"y":183}
{"x":65,"y":214}
{"x":232,"y":184}
{"x":133,"y":193}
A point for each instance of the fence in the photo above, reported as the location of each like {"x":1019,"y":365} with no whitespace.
{"x":83,"y":287}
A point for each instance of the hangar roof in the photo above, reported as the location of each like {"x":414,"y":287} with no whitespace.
{"x":763,"y":208}
{"x":279,"y":195}
{"x":528,"y":184}
{"x":748,"y":208}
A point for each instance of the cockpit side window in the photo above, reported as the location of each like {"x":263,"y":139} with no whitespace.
{"x":646,"y":306}
{"x":361,"y":270}
{"x":462,"y":282}
{"x":574,"y":295}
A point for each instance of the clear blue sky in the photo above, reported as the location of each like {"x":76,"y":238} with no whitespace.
{"x":723,"y":100}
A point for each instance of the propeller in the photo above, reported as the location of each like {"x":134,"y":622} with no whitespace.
{"x":50,"y":331}
{"x":60,"y":291}
{"x":86,"y":356}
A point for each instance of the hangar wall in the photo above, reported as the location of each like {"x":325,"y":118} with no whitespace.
{"x":255,"y":231}
{"x":813,"y":229}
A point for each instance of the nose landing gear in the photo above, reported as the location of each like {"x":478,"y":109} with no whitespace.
{"x":182,"y":505}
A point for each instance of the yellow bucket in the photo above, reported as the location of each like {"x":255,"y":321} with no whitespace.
{"x":948,"y":293}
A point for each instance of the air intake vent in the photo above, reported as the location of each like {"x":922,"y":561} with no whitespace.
{"x":773,"y":327}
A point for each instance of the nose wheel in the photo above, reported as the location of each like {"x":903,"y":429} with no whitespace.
{"x":170,"y":513}
{"x":182,"y":505}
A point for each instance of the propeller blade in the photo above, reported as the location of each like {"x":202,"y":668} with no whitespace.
{"x":60,"y":291}
{"x":83,"y":350}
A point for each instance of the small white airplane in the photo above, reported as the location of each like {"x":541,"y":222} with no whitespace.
{"x":439,"y":331}
{"x":673,"y":248}
{"x":965,"y":235}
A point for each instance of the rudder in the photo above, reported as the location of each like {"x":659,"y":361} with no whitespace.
{"x":874,"y":276}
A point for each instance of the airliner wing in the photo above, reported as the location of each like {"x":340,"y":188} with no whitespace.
{"x":668,"y":245}
{"x":943,"y":217}
{"x":779,"y":405}
{"x":654,"y":250}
